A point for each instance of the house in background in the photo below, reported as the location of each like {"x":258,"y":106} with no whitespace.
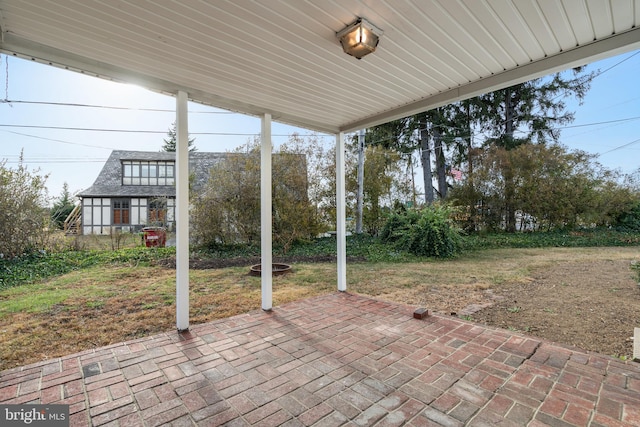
{"x":136,"y":189}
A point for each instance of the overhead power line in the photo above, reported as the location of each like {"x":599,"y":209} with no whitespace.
{"x":84,"y":129}
{"x":616,"y":64}
{"x":164,"y":132}
{"x":110,"y":107}
{"x":56,"y":140}
{"x":621,"y":147}
{"x":248,"y":134}
{"x":51,"y":161}
{"x":599,"y":123}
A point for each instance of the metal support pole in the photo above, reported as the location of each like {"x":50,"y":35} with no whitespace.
{"x":266,"y":225}
{"x":341,"y":223}
{"x":182,"y":212}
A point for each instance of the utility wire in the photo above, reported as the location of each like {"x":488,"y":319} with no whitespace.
{"x":598,"y":74}
{"x":617,"y":63}
{"x":41,"y":162}
{"x":164,"y":132}
{"x":65,"y":104}
{"x":99,"y":146}
{"x":453,"y":138}
{"x":6,"y":100}
{"x":520,"y":131}
{"x":244,"y":134}
{"x":620,"y":147}
{"x":599,"y":123}
{"x":56,"y":140}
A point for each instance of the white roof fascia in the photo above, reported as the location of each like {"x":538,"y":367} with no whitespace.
{"x":25,"y":49}
{"x":611,"y":46}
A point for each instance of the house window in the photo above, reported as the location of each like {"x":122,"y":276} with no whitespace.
{"x":121,"y":211}
{"x":148,"y":172}
{"x":157,"y":211}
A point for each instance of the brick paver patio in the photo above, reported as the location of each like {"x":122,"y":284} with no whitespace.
{"x":334,"y":360}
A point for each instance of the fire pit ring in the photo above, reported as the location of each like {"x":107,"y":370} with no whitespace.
{"x":277,"y":269}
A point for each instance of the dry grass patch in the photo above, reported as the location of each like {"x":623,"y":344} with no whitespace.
{"x":104,"y":305}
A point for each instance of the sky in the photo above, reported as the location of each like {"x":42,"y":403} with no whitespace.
{"x":36,"y":91}
{"x":41,"y":97}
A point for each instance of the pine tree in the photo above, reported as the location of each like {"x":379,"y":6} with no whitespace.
{"x":533,"y":109}
{"x":430,"y":132}
{"x":170,"y":143}
{"x":62,"y":207}
{"x":529,"y":112}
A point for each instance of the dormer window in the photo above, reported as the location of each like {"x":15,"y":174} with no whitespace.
{"x":136,"y":172}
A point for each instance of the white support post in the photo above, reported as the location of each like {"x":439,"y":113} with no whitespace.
{"x":182,"y":212}
{"x":266,"y":225}
{"x":341,"y":222}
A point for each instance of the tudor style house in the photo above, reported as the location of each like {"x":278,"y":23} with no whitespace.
{"x":136,"y":189}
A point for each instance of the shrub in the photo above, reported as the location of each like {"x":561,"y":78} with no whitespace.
{"x":37,"y":266}
{"x":427,"y":232}
{"x":228,"y":210}
{"x":553,"y":187}
{"x":24,"y":218}
{"x":629,"y":220}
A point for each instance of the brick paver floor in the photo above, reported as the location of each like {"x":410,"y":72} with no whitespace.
{"x":334,"y":360}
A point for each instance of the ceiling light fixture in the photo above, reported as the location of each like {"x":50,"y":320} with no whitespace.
{"x":359,"y":38}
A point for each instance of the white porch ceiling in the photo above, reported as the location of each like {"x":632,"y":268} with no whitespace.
{"x":282,"y":57}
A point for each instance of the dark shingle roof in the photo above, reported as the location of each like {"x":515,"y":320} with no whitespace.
{"x":109,"y":181}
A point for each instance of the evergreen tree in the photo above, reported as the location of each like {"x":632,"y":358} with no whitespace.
{"x":432,"y":133}
{"x":529,"y":112}
{"x":170,"y":143}
{"x":62,"y":207}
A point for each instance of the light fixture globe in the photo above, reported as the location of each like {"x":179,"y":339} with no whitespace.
{"x":359,"y":38}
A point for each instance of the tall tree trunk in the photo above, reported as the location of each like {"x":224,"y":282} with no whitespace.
{"x":440,"y":163}
{"x":413,"y":182}
{"x":508,"y":117}
{"x":425,"y":157}
{"x":469,"y":145}
{"x":510,"y":212}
